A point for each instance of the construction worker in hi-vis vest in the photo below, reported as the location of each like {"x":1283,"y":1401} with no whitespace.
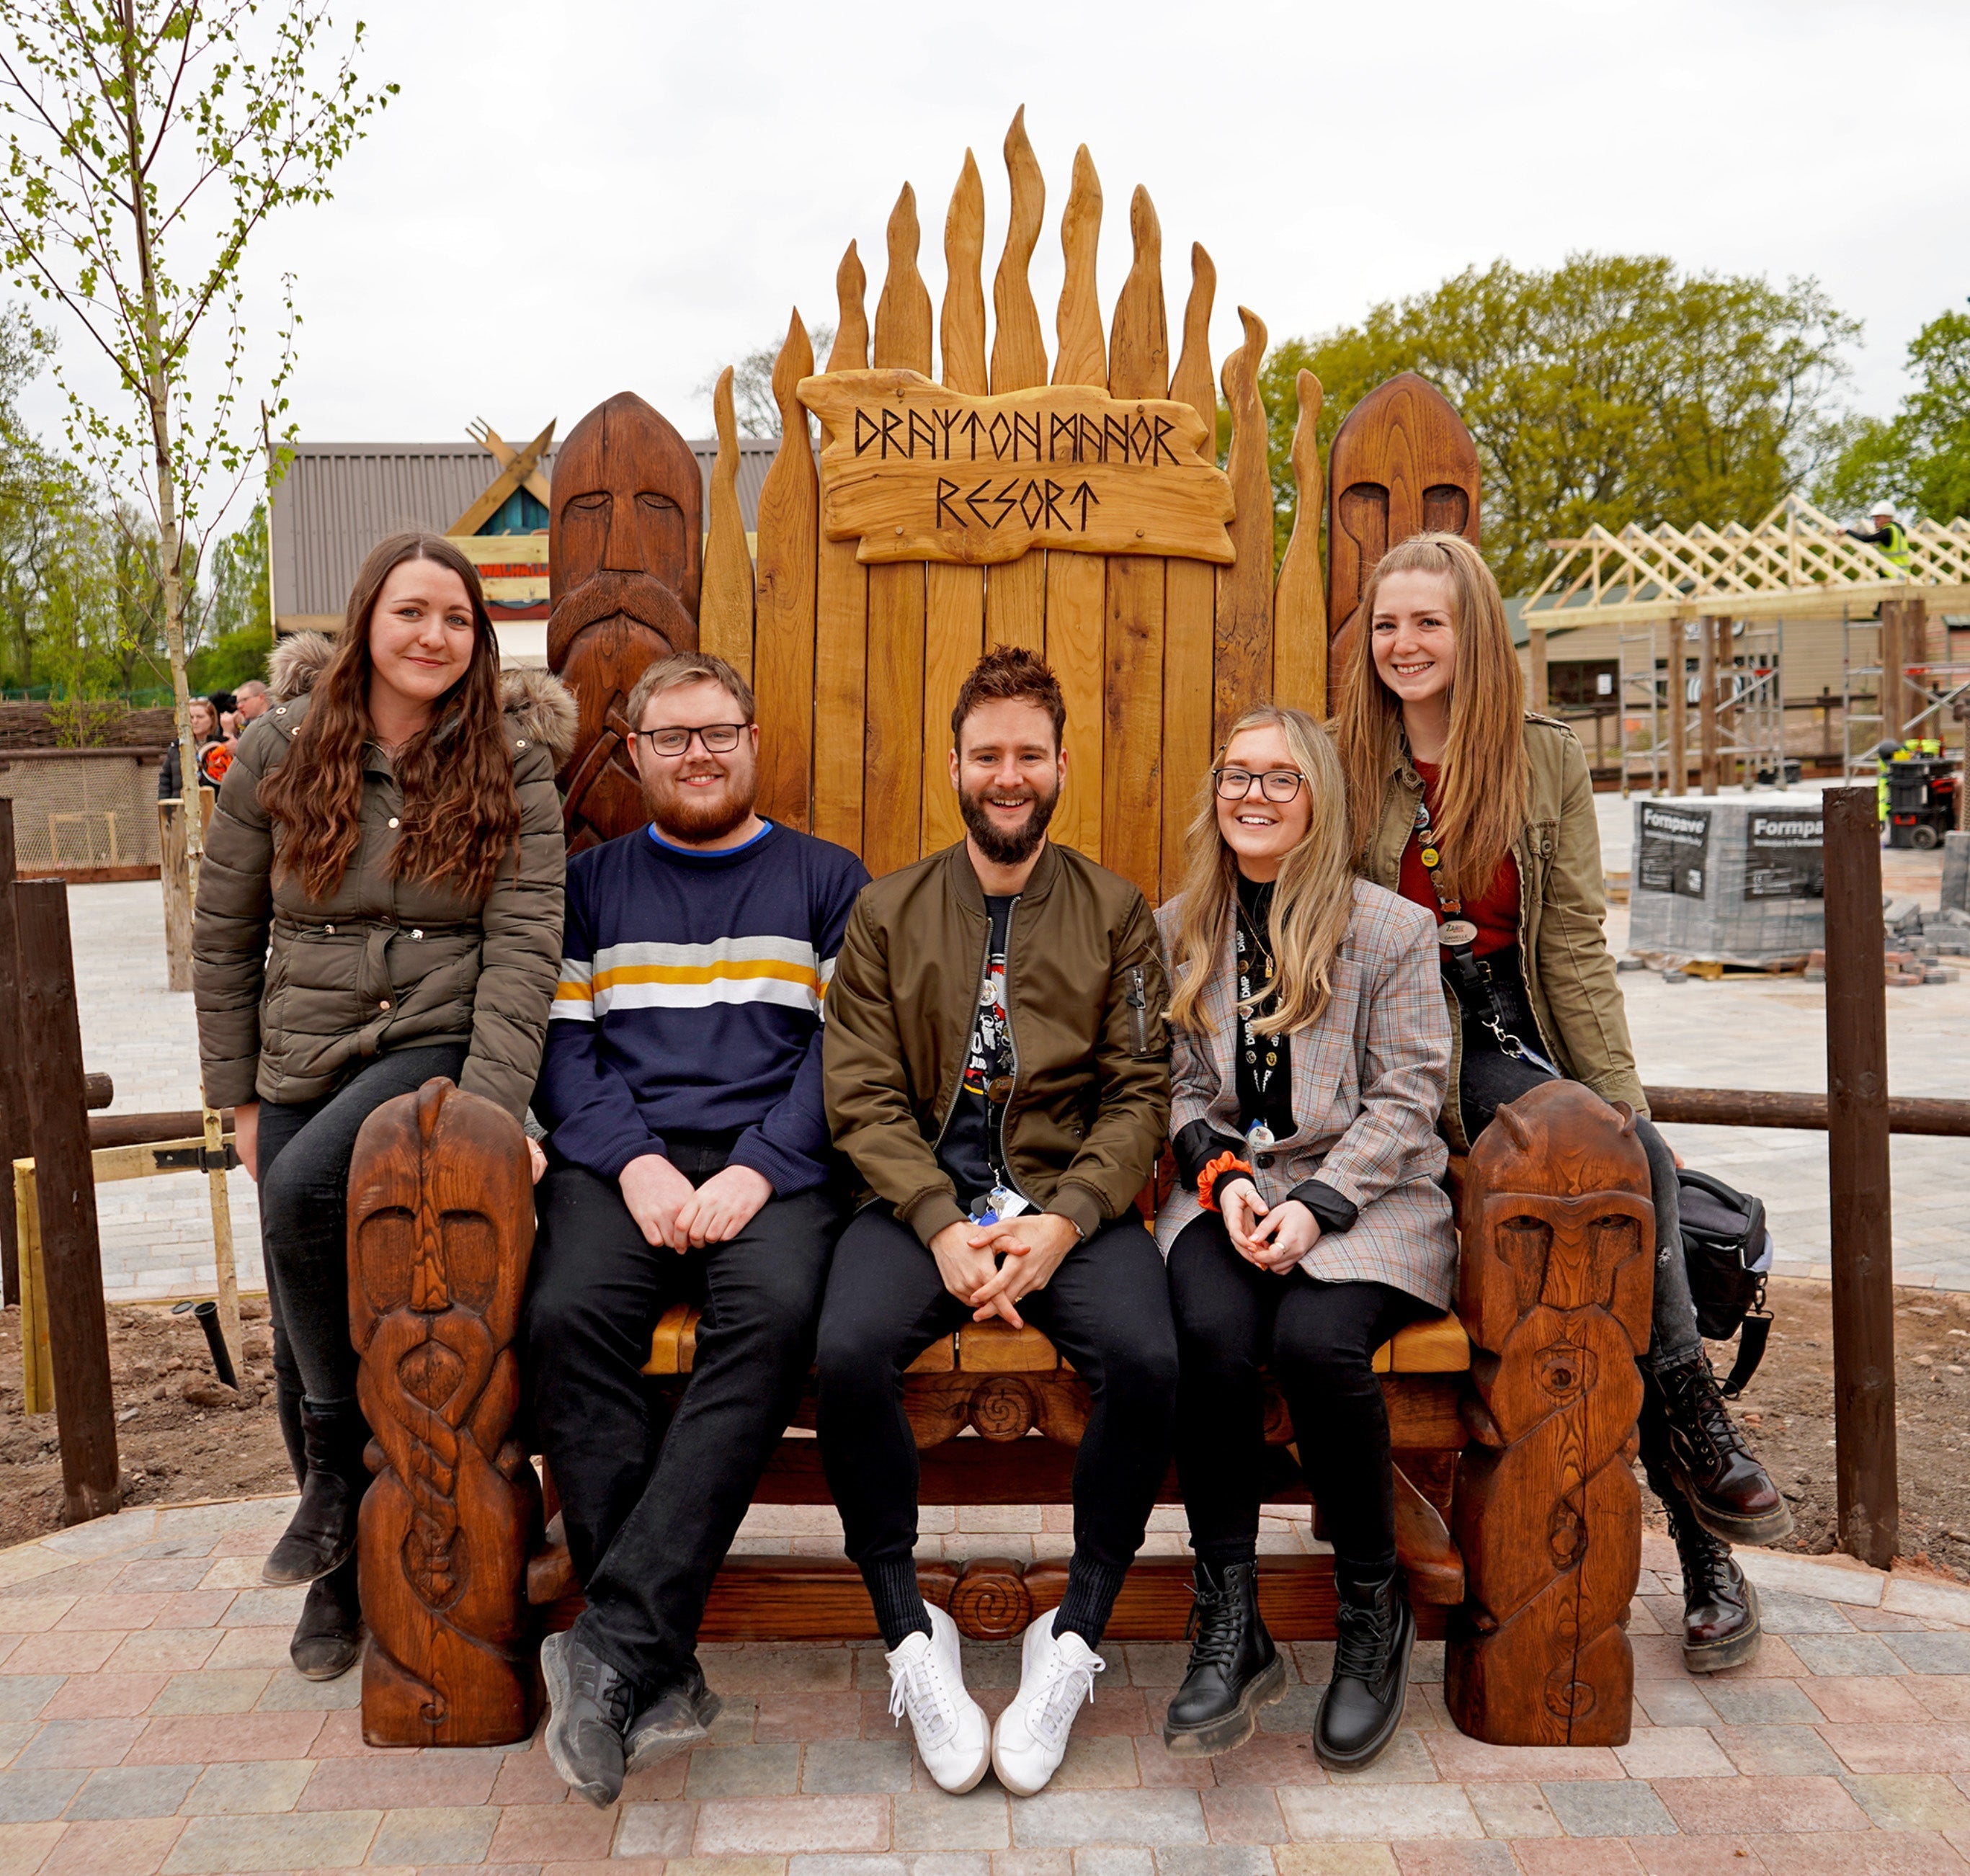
{"x":1888,"y":534}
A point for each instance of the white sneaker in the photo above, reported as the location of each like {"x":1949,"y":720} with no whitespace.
{"x":1056,"y":1674}
{"x":926,"y":1682}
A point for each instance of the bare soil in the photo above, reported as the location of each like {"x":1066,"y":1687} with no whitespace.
{"x":212,"y":1445}
{"x":180,"y":1435}
{"x":1787,"y":1414}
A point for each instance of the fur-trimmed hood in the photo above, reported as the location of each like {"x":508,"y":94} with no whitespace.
{"x":540,"y":705}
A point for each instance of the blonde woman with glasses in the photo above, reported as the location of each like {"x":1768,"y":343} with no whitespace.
{"x":1312,"y":1056}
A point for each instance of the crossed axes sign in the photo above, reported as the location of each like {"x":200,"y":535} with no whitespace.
{"x":520,"y":469}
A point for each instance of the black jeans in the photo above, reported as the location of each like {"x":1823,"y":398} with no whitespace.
{"x":304,"y":1150}
{"x":1319,"y":1339}
{"x":1107,"y":1310}
{"x":650,"y":1515}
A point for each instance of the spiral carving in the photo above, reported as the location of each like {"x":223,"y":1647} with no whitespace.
{"x":990,"y":1601}
{"x":1002,"y":1408}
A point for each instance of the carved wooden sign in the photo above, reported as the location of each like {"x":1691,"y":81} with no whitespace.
{"x":916,"y":471}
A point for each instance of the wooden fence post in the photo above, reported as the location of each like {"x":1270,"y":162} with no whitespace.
{"x":1857,"y":1154}
{"x":71,"y":1252}
{"x":1679,"y":707}
{"x":14,"y":1143}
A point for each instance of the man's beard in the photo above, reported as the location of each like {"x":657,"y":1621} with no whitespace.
{"x":693,"y":818}
{"x":1002,"y":847}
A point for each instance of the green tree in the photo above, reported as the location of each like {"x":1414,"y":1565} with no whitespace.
{"x":1612,"y":389}
{"x":1920,"y":457}
{"x":147,"y":141}
{"x":237,"y":631}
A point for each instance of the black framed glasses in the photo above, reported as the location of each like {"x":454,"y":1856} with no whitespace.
{"x":1277,"y":784}
{"x":718,"y":738}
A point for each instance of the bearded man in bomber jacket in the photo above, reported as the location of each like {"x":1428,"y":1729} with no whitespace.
{"x":997,"y":1069}
{"x":688,"y":1160}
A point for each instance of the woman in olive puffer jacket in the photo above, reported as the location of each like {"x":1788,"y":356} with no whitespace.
{"x":380,"y":902}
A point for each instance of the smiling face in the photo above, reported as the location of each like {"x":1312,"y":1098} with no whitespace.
{"x":1008,"y":770}
{"x":1260,"y":831}
{"x":1414,"y":635}
{"x":700,"y":795}
{"x":421,"y":634}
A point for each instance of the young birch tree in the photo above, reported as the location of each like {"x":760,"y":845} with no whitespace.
{"x":147,"y":141}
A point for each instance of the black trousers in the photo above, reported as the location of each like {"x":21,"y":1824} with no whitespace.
{"x":650,"y":1514}
{"x":304,"y":1150}
{"x":1319,"y":1338}
{"x":1107,"y":1310}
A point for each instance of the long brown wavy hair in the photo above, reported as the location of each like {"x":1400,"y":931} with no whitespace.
{"x":1481,"y":794}
{"x":461,"y":811}
{"x":1312,"y":903}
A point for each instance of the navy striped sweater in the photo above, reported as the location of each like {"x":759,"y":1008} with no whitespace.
{"x":690,"y":1001}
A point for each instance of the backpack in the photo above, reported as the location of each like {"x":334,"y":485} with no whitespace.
{"x":1727,"y":1252}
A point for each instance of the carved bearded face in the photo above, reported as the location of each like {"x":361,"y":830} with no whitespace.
{"x":626,"y":548}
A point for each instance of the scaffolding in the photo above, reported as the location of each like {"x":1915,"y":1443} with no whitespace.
{"x":1750,"y":704}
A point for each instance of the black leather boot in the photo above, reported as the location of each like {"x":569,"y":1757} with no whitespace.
{"x":321,"y":1534}
{"x":1721,"y":1626}
{"x":1234,"y":1668}
{"x":1363,"y":1705}
{"x":1706,"y":1455}
{"x":328,"y":1639}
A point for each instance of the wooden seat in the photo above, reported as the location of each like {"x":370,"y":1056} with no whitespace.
{"x":1436,"y":1346}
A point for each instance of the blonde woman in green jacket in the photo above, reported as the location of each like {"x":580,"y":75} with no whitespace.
{"x":1482,"y":811}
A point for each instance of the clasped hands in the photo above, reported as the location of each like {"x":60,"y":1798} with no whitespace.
{"x":670,"y":1210}
{"x":1276,"y":1237}
{"x":1033,"y":1246}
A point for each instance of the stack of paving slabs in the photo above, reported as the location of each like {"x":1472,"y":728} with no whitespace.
{"x":1728,"y":879}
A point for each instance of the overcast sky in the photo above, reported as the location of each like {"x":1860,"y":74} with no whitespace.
{"x":568,"y":200}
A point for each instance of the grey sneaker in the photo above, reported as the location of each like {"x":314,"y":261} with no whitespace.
{"x":588,"y":1706}
{"x":678,"y":1719}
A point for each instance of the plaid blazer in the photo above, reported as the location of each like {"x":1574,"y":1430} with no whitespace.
{"x":1368,"y":1081}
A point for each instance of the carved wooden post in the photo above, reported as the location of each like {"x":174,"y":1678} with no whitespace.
{"x":440,"y":1230}
{"x":1556,"y":1286}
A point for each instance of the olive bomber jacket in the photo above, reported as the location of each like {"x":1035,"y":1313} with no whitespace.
{"x":1085,"y":995}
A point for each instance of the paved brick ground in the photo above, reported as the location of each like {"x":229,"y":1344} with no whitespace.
{"x":149,"y":1722}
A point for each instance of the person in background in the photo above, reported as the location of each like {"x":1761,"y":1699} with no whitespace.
{"x":1888,"y":534}
{"x":205,"y":734}
{"x":1482,"y":813}
{"x":997,"y":1069}
{"x":682,"y":1086}
{"x":1312,"y":1056}
{"x":380,"y":903}
{"x":250,"y":702}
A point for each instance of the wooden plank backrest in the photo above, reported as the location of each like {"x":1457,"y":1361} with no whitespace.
{"x":856,"y":667}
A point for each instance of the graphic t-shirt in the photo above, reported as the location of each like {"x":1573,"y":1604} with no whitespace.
{"x":970,"y":1150}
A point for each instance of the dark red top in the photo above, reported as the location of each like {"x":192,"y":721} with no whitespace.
{"x":1495,"y":913}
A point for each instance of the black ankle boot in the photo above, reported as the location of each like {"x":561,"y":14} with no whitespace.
{"x":1721,"y":1626}
{"x":1363,"y":1705}
{"x":1706,"y":1455}
{"x":1234,"y":1668}
{"x":321,"y":1534}
{"x":328,"y":1639}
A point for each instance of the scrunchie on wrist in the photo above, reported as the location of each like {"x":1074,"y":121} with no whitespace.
{"x":1207,"y":1180}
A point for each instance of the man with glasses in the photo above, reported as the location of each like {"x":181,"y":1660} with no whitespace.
{"x":688,"y":1160}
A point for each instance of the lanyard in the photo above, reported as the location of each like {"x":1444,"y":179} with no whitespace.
{"x":1258,"y":1136}
{"x":1471,"y":981}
